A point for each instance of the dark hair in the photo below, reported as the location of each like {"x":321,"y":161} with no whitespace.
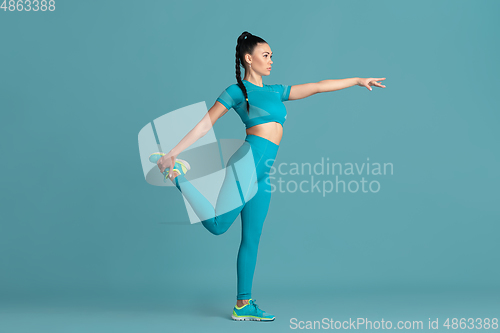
{"x":246,"y":44}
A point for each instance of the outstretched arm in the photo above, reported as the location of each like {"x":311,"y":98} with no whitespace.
{"x":308,"y":89}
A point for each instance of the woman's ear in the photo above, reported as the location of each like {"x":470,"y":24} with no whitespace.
{"x":248,"y":58}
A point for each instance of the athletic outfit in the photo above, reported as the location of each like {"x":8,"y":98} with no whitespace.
{"x":244,"y":180}
{"x":265,"y":102}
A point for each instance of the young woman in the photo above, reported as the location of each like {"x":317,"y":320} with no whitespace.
{"x":246,"y":187}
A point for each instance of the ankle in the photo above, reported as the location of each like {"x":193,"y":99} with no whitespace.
{"x":241,"y":302}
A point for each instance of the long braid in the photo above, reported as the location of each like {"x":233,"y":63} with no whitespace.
{"x":246,"y":44}
{"x":238,"y":78}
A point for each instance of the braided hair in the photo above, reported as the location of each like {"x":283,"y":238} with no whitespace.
{"x":246,"y":44}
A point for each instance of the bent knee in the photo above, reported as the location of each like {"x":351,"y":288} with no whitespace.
{"x":218,"y":229}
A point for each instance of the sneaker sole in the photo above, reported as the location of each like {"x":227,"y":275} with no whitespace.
{"x":185,"y":163}
{"x":242,"y":318}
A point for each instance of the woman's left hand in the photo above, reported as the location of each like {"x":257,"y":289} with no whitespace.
{"x":370,"y":82}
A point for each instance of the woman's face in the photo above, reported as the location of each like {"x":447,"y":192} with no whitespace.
{"x":261,"y":59}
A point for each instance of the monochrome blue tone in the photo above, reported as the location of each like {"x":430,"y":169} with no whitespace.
{"x":88,"y":245}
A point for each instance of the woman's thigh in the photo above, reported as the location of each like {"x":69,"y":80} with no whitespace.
{"x":240,"y":180}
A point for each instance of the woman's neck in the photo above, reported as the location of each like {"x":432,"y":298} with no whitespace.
{"x":256,"y":81}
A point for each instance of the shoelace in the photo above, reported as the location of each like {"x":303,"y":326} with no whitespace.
{"x":255,"y":306}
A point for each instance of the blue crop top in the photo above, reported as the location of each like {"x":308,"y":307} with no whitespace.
{"x":265,"y":103}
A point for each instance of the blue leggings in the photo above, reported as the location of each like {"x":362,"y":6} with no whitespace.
{"x":246,"y":189}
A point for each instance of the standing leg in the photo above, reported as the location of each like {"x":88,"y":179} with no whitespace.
{"x":252,"y":220}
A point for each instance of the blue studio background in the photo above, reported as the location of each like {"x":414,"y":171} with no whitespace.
{"x":86,"y":244}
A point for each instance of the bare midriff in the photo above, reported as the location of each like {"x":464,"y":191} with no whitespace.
{"x":272,"y":131}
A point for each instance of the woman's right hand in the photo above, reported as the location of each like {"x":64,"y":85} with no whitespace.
{"x":167,"y":161}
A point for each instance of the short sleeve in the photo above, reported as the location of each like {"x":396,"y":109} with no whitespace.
{"x":284,"y":91}
{"x":230,"y":97}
